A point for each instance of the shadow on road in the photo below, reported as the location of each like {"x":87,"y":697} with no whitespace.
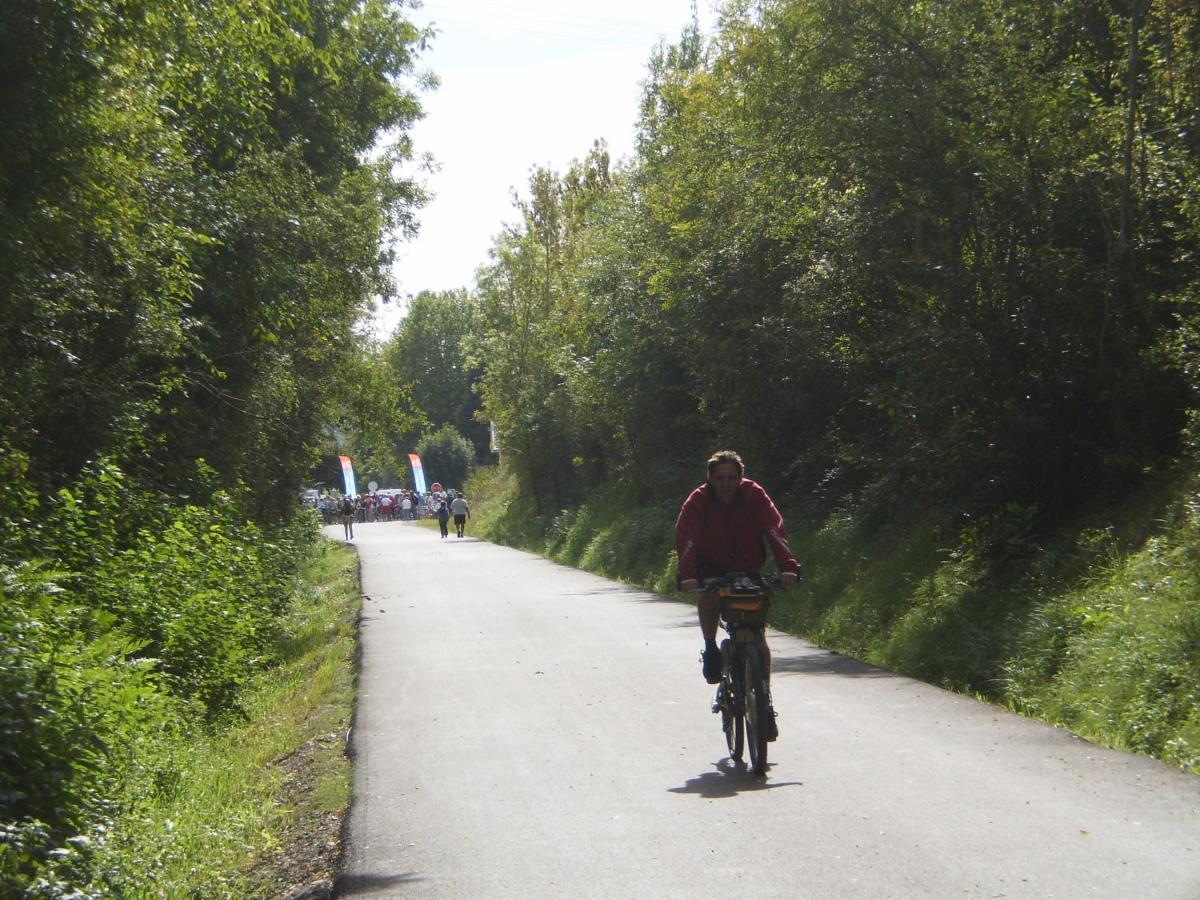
{"x":623,"y":591}
{"x":827,"y":664}
{"x":368,"y":883}
{"x":729,"y":780}
{"x":635,"y":595}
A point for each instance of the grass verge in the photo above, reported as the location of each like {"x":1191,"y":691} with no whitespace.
{"x":254,"y":810}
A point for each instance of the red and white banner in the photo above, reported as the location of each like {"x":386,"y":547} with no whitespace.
{"x":348,"y":476}
{"x":418,"y":472}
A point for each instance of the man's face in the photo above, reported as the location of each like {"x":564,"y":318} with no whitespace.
{"x":724,"y":480}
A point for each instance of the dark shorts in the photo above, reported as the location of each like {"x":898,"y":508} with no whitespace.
{"x":460,"y":520}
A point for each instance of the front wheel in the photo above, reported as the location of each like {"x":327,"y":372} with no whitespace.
{"x":731,"y":714}
{"x":758,"y":707}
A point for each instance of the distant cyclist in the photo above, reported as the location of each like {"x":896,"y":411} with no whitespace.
{"x":725,"y":525}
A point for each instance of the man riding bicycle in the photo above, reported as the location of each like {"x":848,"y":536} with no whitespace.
{"x":725,"y":526}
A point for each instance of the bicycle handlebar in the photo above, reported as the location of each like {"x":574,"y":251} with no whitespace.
{"x":737,"y":579}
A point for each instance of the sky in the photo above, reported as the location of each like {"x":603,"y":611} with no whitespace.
{"x":523,"y":84}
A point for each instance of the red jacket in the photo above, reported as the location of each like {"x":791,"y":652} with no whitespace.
{"x":720,"y":538}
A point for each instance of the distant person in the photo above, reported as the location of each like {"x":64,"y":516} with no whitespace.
{"x":442,"y":510}
{"x":406,"y":507}
{"x":461,"y":512}
{"x":347,"y":516}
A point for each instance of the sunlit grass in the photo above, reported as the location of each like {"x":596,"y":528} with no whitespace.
{"x":208,"y":808}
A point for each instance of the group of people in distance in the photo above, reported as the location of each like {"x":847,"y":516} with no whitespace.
{"x":397,"y":506}
{"x":381,"y":506}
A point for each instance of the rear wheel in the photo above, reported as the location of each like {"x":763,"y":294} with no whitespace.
{"x":758,"y":708}
{"x":731,"y":715}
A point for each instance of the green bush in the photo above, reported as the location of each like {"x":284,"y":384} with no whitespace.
{"x":138,"y":618}
{"x":73,"y":698}
{"x":205,"y":594}
{"x":446,"y":456}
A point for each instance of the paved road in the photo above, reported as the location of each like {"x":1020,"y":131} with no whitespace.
{"x":527,"y":730}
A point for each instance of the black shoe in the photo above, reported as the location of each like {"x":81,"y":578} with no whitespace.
{"x":770,"y":728}
{"x":712,"y":665}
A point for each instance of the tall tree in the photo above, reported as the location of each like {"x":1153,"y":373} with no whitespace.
{"x":193,"y":227}
{"x":427,"y":355}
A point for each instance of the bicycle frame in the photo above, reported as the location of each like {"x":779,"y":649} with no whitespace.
{"x":743,"y":697}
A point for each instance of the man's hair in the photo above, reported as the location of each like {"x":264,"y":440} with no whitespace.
{"x":725,"y":456}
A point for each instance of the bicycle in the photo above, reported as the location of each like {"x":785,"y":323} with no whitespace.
{"x":743,"y":696}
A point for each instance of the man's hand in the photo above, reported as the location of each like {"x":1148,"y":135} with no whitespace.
{"x":689,"y":584}
{"x":787,"y":580}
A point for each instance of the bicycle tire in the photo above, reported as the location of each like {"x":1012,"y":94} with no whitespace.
{"x":757,"y":705}
{"x":731,"y":717}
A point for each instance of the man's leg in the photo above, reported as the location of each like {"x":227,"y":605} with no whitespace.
{"x":709,"y":610}
{"x":765,"y":652}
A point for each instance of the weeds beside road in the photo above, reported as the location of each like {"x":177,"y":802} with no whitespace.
{"x":255,"y":810}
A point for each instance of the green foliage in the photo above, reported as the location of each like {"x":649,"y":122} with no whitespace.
{"x":199,"y":812}
{"x":193,"y":227}
{"x":499,"y":512}
{"x":609,"y":535}
{"x":195,"y":213}
{"x":427,"y":356}
{"x":446,"y":456}
{"x":533,"y":333}
{"x":139,"y":643}
{"x":892,"y":253}
{"x":1115,"y":656}
{"x":380,"y":418}
{"x":71,"y":701}
{"x":205,"y":594}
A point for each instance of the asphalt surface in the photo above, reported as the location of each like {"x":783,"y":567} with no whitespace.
{"x":528,"y":730}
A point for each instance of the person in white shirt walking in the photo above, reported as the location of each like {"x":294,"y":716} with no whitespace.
{"x":461,"y":512}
